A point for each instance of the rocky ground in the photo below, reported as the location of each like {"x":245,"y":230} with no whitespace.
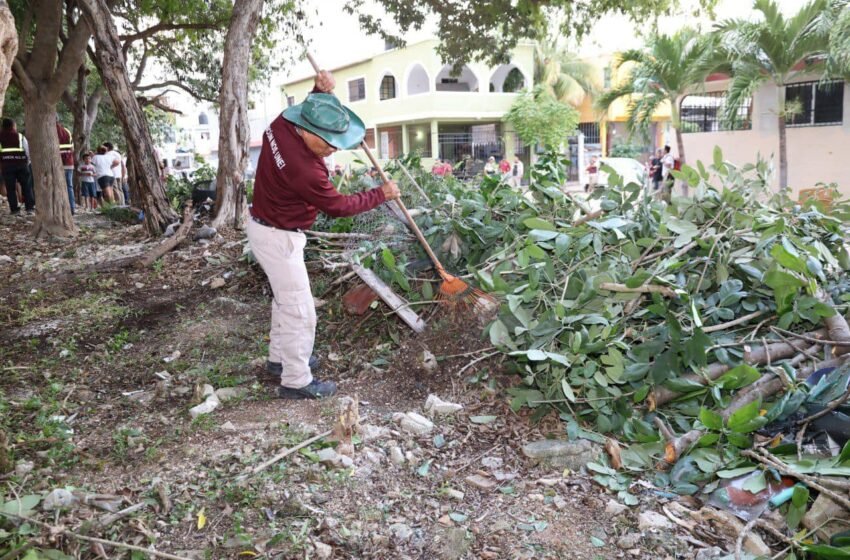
{"x":102,"y":364}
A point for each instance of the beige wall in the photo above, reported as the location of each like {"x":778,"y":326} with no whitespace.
{"x":816,"y":154}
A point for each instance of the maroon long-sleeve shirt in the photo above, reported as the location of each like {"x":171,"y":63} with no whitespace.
{"x":292,"y":183}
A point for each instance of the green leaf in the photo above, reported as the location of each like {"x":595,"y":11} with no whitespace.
{"x":388,"y":258}
{"x":695,"y":349}
{"x":718,"y":157}
{"x":788,"y":260}
{"x":499,"y":334}
{"x":746,"y":419}
{"x":597,"y":542}
{"x":710,"y":419}
{"x":424,"y":468}
{"x":23,"y":506}
{"x":798,"y":506}
{"x":737,"y":377}
{"x":568,"y":391}
{"x":538,"y":223}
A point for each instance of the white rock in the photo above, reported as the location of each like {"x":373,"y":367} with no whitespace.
{"x":208,"y":390}
{"x":416,"y":424}
{"x":434,"y":405}
{"x":396,"y":456}
{"x":6,"y":259}
{"x":139,"y":285}
{"x":452,"y":493}
{"x":401,"y":531}
{"x":64,"y":353}
{"x":217,"y":282}
{"x":164,"y":375}
{"x":172,"y":357}
{"x":613,"y":507}
{"x":373,"y":457}
{"x":429,"y":361}
{"x":58,"y":499}
{"x":229,"y":393}
{"x":228,"y":426}
{"x":331,"y":458}
{"x":24,"y":467}
{"x":649,"y":520}
{"x":210,"y":404}
{"x":560,"y":503}
{"x":370,"y":432}
{"x":492,"y":462}
{"x":323,"y":551}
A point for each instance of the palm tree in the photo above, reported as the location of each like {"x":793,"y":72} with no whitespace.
{"x":775,"y":50}
{"x":561,"y":74}
{"x":663,"y":71}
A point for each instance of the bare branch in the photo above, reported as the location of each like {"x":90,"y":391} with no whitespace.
{"x":72,"y":56}
{"x":177,"y":84}
{"x":22,"y":77}
{"x":159,"y":27}
{"x":42,"y":60}
{"x":140,"y":70}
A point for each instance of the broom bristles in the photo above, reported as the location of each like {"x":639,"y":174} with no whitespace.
{"x":456,"y":292}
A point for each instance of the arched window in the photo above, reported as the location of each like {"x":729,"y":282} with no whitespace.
{"x":417,"y":80}
{"x":388,"y":87}
{"x":507,"y":78}
{"x":203,"y":119}
{"x":447,"y":80}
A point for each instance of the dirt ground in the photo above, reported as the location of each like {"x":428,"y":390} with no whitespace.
{"x":100,"y":367}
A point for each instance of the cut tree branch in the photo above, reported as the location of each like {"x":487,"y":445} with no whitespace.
{"x":172,"y":242}
{"x":645,"y":289}
{"x":177,"y":84}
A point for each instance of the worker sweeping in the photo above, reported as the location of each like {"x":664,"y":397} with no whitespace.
{"x":290,"y":188}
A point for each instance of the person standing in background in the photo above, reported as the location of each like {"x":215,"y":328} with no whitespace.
{"x":104,"y":166}
{"x":119,"y":171}
{"x":517,"y":172}
{"x":66,"y":152}
{"x":15,"y":161}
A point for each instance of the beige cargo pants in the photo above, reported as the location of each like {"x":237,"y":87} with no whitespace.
{"x":293,"y":330}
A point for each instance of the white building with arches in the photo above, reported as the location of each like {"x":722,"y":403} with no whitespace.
{"x":412,"y":102}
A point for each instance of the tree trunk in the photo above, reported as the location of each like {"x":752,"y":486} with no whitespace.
{"x":680,"y":143}
{"x":8,"y":49}
{"x":783,"y":153}
{"x":53,"y":210}
{"x":140,"y":151}
{"x":231,"y":206}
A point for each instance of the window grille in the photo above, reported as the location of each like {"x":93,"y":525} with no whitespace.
{"x":357,"y":89}
{"x":814,"y":103}
{"x":704,"y":112}
{"x":590,"y":131}
{"x":387,"y":88}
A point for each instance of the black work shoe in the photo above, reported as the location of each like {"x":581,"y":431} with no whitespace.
{"x":315,"y":390}
{"x":274,"y":369}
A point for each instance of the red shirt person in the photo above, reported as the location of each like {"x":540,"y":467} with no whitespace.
{"x":290,"y":189}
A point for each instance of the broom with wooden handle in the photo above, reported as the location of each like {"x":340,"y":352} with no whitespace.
{"x":453,"y":291}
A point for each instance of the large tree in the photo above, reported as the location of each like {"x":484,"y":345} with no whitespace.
{"x":562,"y":74}
{"x":662,"y":72}
{"x":490,"y":30}
{"x":231,"y":203}
{"x":8,"y":48}
{"x":774,"y":49}
{"x":53,"y":39}
{"x":141,"y":154}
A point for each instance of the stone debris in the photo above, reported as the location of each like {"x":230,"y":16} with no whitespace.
{"x":429,"y":361}
{"x":217,"y":282}
{"x":204,"y":232}
{"x":650,"y":520}
{"x":323,"y":551}
{"x":24,"y":467}
{"x":229,"y":393}
{"x":396,"y":455}
{"x":401,"y":532}
{"x":482,"y":482}
{"x":492,"y":462}
{"x":330,"y":457}
{"x":825,"y":515}
{"x":171,"y":229}
{"x":58,"y":498}
{"x":414,"y":423}
{"x":454,"y":494}
{"x":211,"y":402}
{"x":613,"y":507}
{"x":370,"y":432}
{"x":629,"y":541}
{"x":228,"y":426}
{"x":434,"y":405}
{"x":561,"y":453}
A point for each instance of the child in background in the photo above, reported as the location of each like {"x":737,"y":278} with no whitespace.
{"x":87,"y":183}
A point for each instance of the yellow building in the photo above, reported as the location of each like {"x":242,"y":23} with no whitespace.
{"x":412,"y":102}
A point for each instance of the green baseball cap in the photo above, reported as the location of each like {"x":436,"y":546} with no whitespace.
{"x":323,"y":115}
